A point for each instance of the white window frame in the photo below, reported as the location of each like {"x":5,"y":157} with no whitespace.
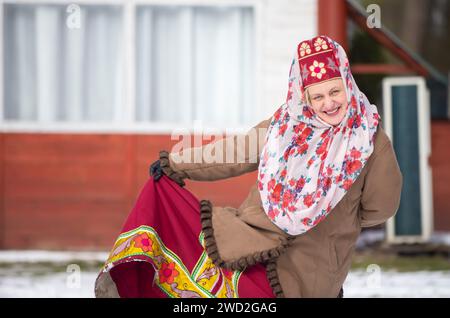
{"x":424,"y":138}
{"x":124,"y":118}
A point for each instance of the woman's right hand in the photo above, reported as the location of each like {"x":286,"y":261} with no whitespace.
{"x":155,"y":170}
{"x":162,"y":166}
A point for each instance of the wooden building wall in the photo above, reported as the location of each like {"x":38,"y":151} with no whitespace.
{"x":74,"y":191}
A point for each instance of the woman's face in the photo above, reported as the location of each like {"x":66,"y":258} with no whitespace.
{"x":329,"y":100}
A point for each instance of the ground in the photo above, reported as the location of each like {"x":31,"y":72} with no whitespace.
{"x":377,"y":271}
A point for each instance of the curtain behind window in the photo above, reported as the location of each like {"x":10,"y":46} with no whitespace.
{"x":57,"y":73}
{"x":191,"y":63}
{"x":195,"y":63}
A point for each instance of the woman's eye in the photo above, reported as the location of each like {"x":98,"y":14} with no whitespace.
{"x":334,"y":93}
{"x":317,"y":97}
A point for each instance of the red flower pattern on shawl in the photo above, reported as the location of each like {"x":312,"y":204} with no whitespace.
{"x":167,"y":273}
{"x":143,"y":242}
{"x":309,"y":164}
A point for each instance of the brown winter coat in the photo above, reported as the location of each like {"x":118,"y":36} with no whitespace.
{"x":314,"y":264}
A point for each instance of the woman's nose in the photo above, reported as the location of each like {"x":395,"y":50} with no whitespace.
{"x":328,"y":102}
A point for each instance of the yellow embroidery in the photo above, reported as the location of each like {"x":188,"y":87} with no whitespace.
{"x":320,"y":44}
{"x":304,"y":49}
{"x":171,"y":275}
{"x":317,"y":69}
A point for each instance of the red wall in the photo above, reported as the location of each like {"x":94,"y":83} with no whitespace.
{"x":440,"y":165}
{"x":74,"y":191}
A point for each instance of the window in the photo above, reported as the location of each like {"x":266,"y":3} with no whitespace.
{"x":190,"y":63}
{"x":194,"y":63}
{"x":56,"y":73}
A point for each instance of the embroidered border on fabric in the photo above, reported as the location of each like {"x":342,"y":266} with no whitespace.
{"x":171,"y":275}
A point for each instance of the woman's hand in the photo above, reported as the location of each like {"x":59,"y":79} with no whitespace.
{"x":162,"y":167}
{"x":156,"y":171}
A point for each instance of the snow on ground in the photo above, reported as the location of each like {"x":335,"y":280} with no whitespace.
{"x":72,"y":274}
{"x":422,"y":284}
{"x":49,"y":273}
{"x":440,"y":238}
{"x":47,"y":286}
{"x":373,"y":236}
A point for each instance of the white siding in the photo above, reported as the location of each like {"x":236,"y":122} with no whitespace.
{"x":285,"y":24}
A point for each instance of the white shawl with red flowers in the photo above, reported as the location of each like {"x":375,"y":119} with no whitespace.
{"x":306,"y":165}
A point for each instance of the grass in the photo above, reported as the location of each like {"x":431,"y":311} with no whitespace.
{"x":401,"y":263}
{"x":360,"y":262}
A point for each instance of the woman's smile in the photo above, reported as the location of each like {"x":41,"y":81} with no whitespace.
{"x":334,"y":112}
{"x":328,"y":100}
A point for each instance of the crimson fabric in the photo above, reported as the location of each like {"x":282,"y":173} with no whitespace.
{"x":317,"y":61}
{"x":174,"y":213}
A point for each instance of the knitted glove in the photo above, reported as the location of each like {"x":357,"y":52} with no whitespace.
{"x":156,"y":171}
{"x":162,"y":166}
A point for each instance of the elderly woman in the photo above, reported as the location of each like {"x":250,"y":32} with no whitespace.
{"x":325,"y":169}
